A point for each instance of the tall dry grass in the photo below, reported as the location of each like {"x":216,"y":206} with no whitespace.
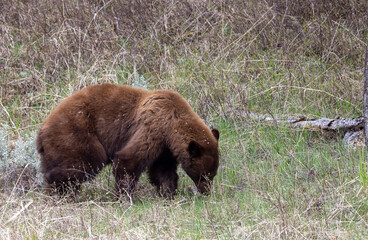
{"x":47,"y":41}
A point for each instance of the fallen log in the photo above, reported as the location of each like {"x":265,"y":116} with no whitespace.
{"x":350,"y":128}
{"x":354,"y":139}
{"x":341,"y":124}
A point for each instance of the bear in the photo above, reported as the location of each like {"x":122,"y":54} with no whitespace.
{"x":135,"y":130}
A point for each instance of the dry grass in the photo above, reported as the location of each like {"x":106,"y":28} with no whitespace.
{"x":303,"y":57}
{"x":233,"y":212}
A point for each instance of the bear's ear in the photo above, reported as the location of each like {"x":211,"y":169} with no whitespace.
{"x":216,"y":133}
{"x":194,"y":149}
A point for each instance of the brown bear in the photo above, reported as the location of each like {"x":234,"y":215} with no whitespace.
{"x":135,"y":130}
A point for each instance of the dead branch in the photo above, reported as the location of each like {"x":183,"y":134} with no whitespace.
{"x":341,"y":124}
{"x":350,"y":128}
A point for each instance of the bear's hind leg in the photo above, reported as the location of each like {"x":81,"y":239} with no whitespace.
{"x":66,"y":170}
{"x":162,"y":174}
{"x":62,"y":182}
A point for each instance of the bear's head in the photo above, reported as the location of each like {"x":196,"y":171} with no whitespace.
{"x":204,"y":162}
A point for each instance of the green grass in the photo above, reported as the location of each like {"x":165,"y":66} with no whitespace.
{"x":284,"y":183}
{"x":273,"y":181}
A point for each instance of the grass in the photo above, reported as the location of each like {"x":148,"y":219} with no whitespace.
{"x":276,"y":58}
{"x":294,"y":187}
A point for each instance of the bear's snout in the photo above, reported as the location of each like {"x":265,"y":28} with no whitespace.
{"x":204,"y":187}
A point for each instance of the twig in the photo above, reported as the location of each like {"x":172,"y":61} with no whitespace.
{"x":7,"y":113}
{"x":303,"y":88}
{"x":20,"y":211}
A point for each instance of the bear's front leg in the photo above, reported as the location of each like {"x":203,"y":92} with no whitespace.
{"x":166,"y":184}
{"x":127,"y":173}
{"x":162,"y":174}
{"x":140,"y":152}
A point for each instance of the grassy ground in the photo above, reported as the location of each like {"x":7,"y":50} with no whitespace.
{"x":272,"y":183}
{"x":270,"y":57}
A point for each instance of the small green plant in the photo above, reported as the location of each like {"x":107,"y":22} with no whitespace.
{"x":139,"y":80}
{"x":18,"y":161}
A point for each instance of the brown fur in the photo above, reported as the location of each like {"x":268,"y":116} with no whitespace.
{"x":135,"y":130}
